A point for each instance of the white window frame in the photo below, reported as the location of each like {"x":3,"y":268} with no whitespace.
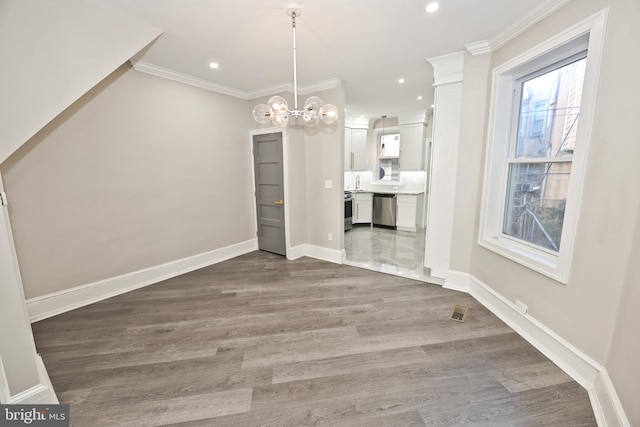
{"x":587,"y":34}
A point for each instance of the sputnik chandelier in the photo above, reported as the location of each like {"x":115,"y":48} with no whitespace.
{"x":276,"y":108}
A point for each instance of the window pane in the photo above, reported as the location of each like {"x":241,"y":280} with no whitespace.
{"x":549,"y":111}
{"x":536,"y":198}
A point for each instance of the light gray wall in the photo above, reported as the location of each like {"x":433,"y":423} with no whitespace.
{"x":622,"y":365}
{"x":139,"y":172}
{"x":603,"y":273}
{"x":475,"y":87}
{"x":324,"y":146}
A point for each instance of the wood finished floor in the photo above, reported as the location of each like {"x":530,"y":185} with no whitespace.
{"x":263,"y":341}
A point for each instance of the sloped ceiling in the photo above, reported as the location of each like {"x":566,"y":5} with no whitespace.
{"x":52,"y":53}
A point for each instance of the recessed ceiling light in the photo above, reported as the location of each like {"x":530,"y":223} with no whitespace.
{"x":433,"y":106}
{"x":400,"y":81}
{"x":420,"y":98}
{"x":214,"y":65}
{"x":432,"y":7}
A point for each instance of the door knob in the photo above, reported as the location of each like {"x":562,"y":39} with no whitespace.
{"x":279,"y":202}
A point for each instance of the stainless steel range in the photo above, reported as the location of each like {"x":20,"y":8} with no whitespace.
{"x":348,"y":210}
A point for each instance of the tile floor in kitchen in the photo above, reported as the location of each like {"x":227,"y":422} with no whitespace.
{"x":386,"y":250}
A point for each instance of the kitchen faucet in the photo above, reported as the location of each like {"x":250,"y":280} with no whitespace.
{"x":357,"y":182}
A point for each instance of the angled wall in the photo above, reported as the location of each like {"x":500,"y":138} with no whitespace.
{"x":52,"y":53}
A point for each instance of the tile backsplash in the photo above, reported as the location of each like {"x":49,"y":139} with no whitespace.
{"x":408,"y":181}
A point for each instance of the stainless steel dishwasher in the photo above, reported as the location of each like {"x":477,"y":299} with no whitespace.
{"x":384,"y":209}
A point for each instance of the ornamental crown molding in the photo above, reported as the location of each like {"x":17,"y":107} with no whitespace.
{"x":302,"y":90}
{"x":413,"y":119}
{"x":447,"y":68}
{"x":166,"y":73}
{"x":357,"y":122}
{"x":539,"y":12}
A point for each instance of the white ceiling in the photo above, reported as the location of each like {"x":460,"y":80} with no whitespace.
{"x":369,"y":44}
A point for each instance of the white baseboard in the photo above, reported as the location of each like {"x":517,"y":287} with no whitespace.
{"x":584,"y":370}
{"x":295,"y":252}
{"x":332,"y":255}
{"x":325,"y":254}
{"x":69,"y":299}
{"x":5,"y":394}
{"x":605,"y":400}
{"x":40,"y":394}
{"x":457,"y":281}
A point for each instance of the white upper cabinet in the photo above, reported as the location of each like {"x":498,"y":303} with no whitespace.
{"x":412,"y":147}
{"x":355,"y":149}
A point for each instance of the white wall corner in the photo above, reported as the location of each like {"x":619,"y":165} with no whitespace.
{"x":60,"y":302}
{"x":295,"y":252}
{"x":584,"y":370}
{"x":457,"y":281}
{"x":606,"y":403}
{"x":447,"y":68}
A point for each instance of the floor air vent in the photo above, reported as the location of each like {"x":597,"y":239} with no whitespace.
{"x":458,"y":313}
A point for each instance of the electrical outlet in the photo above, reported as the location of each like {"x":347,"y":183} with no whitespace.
{"x":330,"y":236}
{"x":521,"y":307}
{"x":328,"y":183}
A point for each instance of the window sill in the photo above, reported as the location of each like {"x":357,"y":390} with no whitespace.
{"x":538,"y":261}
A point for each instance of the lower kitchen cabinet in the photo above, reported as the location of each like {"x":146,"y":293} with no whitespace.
{"x":363,"y":208}
{"x":409,"y":212}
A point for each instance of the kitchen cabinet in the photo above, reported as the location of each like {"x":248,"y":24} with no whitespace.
{"x":363,"y":208}
{"x":409,"y":212}
{"x":355,"y":149}
{"x":412,"y":147}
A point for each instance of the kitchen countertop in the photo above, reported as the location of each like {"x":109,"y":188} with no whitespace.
{"x":387,"y":191}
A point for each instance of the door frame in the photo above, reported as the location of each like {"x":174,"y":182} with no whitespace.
{"x":285,"y":177}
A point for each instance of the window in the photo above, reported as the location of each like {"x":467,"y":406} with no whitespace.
{"x":539,"y":162}
{"x":542,"y":113}
{"x":388,"y":156}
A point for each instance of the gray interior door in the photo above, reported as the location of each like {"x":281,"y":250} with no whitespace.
{"x":267,"y":161}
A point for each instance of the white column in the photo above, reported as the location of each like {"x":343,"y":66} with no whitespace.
{"x":21,"y":375}
{"x":444,"y":160}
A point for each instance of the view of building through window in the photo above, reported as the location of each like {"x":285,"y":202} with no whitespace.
{"x":541,"y":155}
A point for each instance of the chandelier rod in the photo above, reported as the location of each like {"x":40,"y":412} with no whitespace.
{"x":276,"y":110}
{"x":295,"y":60}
